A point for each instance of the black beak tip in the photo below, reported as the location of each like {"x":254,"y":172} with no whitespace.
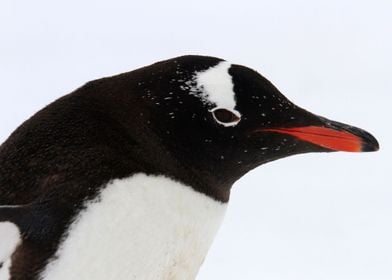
{"x":369,"y":143}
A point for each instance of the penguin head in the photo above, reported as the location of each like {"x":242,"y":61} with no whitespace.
{"x":224,"y":119}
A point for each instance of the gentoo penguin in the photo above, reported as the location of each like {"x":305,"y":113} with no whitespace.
{"x":128,"y":177}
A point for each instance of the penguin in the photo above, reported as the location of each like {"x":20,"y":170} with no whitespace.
{"x":129,"y":176}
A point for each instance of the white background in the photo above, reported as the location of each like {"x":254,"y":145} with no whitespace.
{"x":319,"y":216}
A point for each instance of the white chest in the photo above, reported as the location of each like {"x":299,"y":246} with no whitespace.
{"x":9,"y":239}
{"x":143,"y":227}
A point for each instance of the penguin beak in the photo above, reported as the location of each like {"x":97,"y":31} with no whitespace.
{"x":332,"y":135}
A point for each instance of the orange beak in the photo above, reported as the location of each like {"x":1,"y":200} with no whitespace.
{"x":338,"y":138}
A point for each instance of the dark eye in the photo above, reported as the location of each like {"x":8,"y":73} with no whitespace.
{"x":225,"y":116}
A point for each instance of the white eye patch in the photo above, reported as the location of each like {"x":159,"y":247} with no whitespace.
{"x":216,"y":85}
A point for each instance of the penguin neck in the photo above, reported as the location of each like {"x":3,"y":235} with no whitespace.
{"x":209,"y":181}
{"x":156,"y":158}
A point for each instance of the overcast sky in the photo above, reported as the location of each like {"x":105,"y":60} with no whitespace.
{"x":321,"y":216}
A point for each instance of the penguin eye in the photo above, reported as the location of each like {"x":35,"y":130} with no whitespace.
{"x":225,"y":117}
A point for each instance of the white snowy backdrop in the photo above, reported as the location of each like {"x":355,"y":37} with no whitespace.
{"x":319,"y":216}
